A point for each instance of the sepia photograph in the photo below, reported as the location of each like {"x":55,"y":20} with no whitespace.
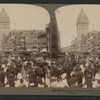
{"x":24,"y":46}
{"x":76,"y":47}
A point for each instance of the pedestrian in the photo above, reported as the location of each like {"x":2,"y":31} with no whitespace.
{"x":3,"y":77}
{"x":72,"y":81}
{"x":33,"y":79}
{"x":11,"y":77}
{"x":89,"y":79}
{"x":21,"y":83}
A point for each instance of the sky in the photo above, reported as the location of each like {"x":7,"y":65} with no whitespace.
{"x":67,"y":18}
{"x":26,"y":17}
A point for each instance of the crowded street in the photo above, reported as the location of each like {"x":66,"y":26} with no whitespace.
{"x":76,"y":71}
{"x":21,"y":70}
{"x":24,"y":46}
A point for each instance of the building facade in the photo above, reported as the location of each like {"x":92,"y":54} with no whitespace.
{"x":80,"y":43}
{"x":89,"y":43}
{"x":82,"y":25}
{"x":42,"y":41}
{"x":4,"y":23}
{"x":21,"y":40}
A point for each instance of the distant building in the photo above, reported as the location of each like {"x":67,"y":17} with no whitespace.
{"x":89,"y":43}
{"x":80,"y":43}
{"x":6,"y":44}
{"x":82,"y":29}
{"x":82,"y":25}
{"x":4,"y":23}
{"x":19,"y":40}
{"x":42,"y":41}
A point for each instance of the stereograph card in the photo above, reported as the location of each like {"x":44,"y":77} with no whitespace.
{"x":49,"y":49}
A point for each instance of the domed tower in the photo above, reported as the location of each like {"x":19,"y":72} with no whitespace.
{"x":4,"y":23}
{"x":82,"y":25}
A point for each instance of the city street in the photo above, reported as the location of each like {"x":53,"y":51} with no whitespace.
{"x":26,"y":82}
{"x":63,"y":82}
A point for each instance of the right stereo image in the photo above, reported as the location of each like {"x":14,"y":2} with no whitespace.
{"x":75,"y":46}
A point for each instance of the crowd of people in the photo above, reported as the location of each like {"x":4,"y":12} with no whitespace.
{"x":32,"y":71}
{"x":80,"y":70}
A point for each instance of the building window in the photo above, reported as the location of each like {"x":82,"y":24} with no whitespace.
{"x":4,"y":25}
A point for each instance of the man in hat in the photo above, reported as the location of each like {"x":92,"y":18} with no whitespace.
{"x":33,"y":79}
{"x":79,"y":77}
{"x":68,"y":72}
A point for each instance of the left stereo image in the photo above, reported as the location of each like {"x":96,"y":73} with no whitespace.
{"x":24,"y":46}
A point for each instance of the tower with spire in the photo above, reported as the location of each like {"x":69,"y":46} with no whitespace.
{"x":4,"y":23}
{"x":82,"y":25}
{"x":55,"y":36}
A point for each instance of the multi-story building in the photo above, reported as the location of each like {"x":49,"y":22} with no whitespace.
{"x":92,"y":42}
{"x":42,"y":41}
{"x":4,"y":23}
{"x":82,"y":29}
{"x":89,"y":43}
{"x":82,"y":25}
{"x":21,"y":40}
